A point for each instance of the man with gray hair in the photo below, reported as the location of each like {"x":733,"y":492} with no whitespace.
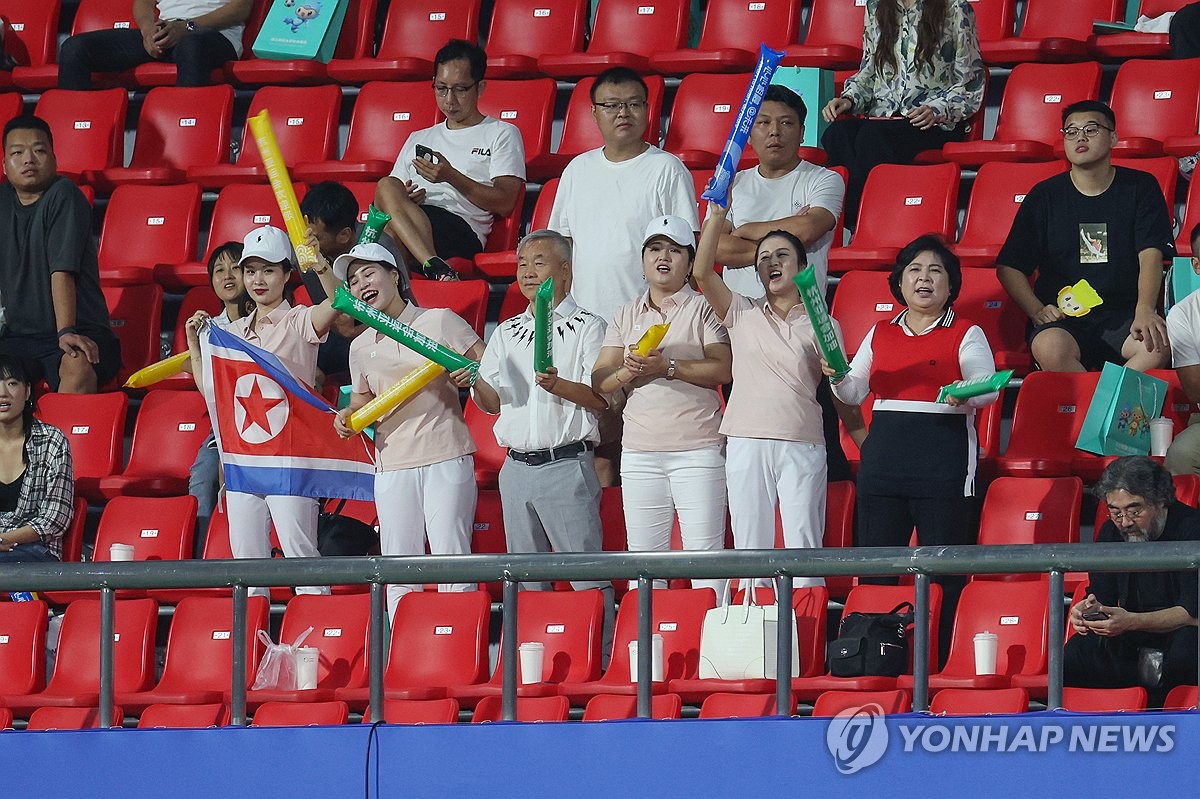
{"x":548,"y":485}
{"x":1137,"y":628}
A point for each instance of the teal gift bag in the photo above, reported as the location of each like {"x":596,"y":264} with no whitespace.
{"x":815,"y":87}
{"x":306,"y":29}
{"x":1118,"y":419}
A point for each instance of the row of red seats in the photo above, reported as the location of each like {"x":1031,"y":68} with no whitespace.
{"x":426,"y":662}
{"x":546,"y":37}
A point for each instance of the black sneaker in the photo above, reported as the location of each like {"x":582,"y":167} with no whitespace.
{"x":437,"y":269}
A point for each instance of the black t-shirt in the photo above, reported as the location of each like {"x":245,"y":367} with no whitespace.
{"x":10,"y":493}
{"x":1065,"y":236}
{"x":53,"y":234}
{"x":1148,"y":591}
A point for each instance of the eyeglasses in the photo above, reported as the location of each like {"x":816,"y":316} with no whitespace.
{"x":457,"y":91}
{"x":614,"y":108}
{"x":1089,"y":131}
{"x":1131,"y":512}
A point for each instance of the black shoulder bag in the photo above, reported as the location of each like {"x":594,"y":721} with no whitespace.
{"x":874,"y":644}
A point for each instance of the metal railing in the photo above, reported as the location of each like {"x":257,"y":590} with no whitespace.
{"x":780,"y":564}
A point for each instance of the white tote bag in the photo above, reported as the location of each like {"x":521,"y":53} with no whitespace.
{"x":737,"y":642}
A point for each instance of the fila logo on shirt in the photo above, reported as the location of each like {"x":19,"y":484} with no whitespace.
{"x":483,"y":152}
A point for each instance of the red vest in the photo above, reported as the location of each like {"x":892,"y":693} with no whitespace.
{"x":905,"y":367}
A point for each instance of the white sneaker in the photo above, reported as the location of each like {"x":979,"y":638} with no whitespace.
{"x":1187,"y":165}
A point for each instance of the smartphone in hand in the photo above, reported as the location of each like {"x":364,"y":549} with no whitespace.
{"x":426,"y":153}
{"x":1095,"y":615}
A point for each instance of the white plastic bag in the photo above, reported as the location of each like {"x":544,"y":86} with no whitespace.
{"x":277,"y":670}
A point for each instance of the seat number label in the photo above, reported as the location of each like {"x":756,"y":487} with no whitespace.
{"x":83,"y":124}
{"x":1163,"y":95}
{"x":187,"y":427}
{"x":333,"y":632}
{"x":541,"y":12}
{"x":156,"y":220}
{"x":883,"y":307}
{"x":443,"y":630}
{"x":556,"y":628}
{"x":1052,"y":98}
{"x":1009,"y":621}
{"x":220,"y":635}
{"x":261,"y":219}
{"x":80,"y":429}
{"x":187,"y":122}
{"x":914,"y":200}
{"x":645,"y":10}
{"x":667,"y":627}
{"x":401,"y":116}
{"x":150,"y":533}
{"x":437,"y":16}
{"x":508,"y":114}
{"x":721,"y":108}
{"x":1033,"y":516}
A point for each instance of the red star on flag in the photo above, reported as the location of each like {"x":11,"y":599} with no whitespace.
{"x":257,"y":407}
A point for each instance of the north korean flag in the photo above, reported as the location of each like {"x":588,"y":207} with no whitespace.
{"x":275,"y":435}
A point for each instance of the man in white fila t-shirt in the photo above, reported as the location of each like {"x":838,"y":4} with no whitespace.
{"x":782,"y":193}
{"x":451,"y":180}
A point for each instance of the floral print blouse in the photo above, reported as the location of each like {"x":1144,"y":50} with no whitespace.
{"x":952,"y":85}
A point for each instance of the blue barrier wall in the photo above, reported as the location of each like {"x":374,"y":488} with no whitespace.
{"x":1000,"y":756}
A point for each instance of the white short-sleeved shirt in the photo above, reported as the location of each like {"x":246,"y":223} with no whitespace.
{"x":758,"y":199}
{"x":1183,"y":331}
{"x":492,"y":149}
{"x":532,"y":418}
{"x":288,"y":333}
{"x":604,"y":207}
{"x":429,"y":427}
{"x":190,"y":9}
{"x":670,"y":415}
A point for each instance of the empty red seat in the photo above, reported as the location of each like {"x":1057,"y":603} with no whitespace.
{"x":163,"y":220}
{"x":170,"y":427}
{"x":412,"y":34}
{"x":70,"y":718}
{"x":608,"y":707}
{"x":832,"y":703}
{"x":733,"y":706}
{"x":355,"y":40}
{"x":985,"y":302}
{"x":94,"y":424}
{"x":702,"y":115}
{"x":834,"y":38}
{"x":1031,"y":510}
{"x":625,"y":33}
{"x":1181,"y":697}
{"x":1104,"y":700}
{"x":1135,"y":44}
{"x":732,"y":32}
{"x":11,"y":104}
{"x":135,"y":313}
{"x":997,"y":193}
{"x":1156,"y":108}
{"x":306,"y":714}
{"x":467,"y":298}
{"x":979,"y":701}
{"x":522,"y":30}
{"x":88,"y":127}
{"x":504,"y":264}
{"x":1045,"y":424}
{"x":1052,"y":31}
{"x":528,"y":104}
{"x":489,"y":455}
{"x":418,"y":711}
{"x":213,"y":714}
{"x":529,"y":708}
{"x":23,"y":656}
{"x":31,"y":39}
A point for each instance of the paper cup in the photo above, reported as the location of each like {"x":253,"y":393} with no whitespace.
{"x":986,"y":647}
{"x":306,"y":668}
{"x":531,"y":653}
{"x":1162,"y":430}
{"x":656,"y":666}
{"x":120,"y":552}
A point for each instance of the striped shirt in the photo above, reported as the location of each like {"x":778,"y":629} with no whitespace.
{"x":47,"y":495}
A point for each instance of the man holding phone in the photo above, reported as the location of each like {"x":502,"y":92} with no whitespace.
{"x":451,"y":180}
{"x":1137,"y":628}
{"x":197,"y":36}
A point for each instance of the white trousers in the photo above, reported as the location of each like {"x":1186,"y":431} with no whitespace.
{"x":657,"y":485}
{"x":764,"y":472}
{"x":435,"y":502}
{"x":295,"y":519}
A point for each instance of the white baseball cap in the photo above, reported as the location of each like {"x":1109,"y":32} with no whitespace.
{"x":675,"y":228}
{"x":270,"y":244}
{"x":374,"y":252}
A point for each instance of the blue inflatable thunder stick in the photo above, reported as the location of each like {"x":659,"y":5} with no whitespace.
{"x":717,"y":190}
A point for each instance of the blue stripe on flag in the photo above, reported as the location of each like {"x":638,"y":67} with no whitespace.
{"x":316,"y":483}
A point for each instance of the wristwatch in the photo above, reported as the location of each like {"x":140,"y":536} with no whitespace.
{"x":671,"y":369}
{"x":191,"y":25}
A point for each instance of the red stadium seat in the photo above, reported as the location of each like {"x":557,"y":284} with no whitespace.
{"x":197,"y":298}
{"x":170,"y":427}
{"x":467,"y":298}
{"x":522,"y":30}
{"x":72,"y":545}
{"x":1104,"y":700}
{"x":1157,"y":108}
{"x":979,"y":701}
{"x":1135,"y":44}
{"x":834,"y":38}
{"x":384,"y":115}
{"x":199,"y":668}
{"x":88,"y":127}
{"x":418,"y":711}
{"x":862,"y":299}
{"x":529,"y":709}
{"x":23,"y":656}
{"x":985,"y":302}
{"x":94,"y":424}
{"x":1031,"y":114}
{"x":439,"y":640}
{"x":997,"y":193}
{"x":1018,"y":613}
{"x":528,"y":104}
{"x":163,"y":220}
{"x":831,"y":703}
{"x":70,"y":718}
{"x":164,"y":73}
{"x":178,"y":128}
{"x":1045,"y":424}
{"x":306,"y":714}
{"x":1030,"y":510}
{"x":489,"y":455}
{"x":678,"y":616}
{"x":339,"y":632}
{"x":76,"y":678}
{"x":609,"y":707}
{"x":567,"y":624}
{"x":135,"y":313}
{"x":910,"y":198}
{"x":736,"y":706}
{"x":994,"y":18}
{"x":31,"y":39}
{"x":1165,"y":171}
{"x":1052,"y":31}
{"x":412,"y":34}
{"x":701,"y":117}
{"x":1191,"y":218}
{"x":502,"y":238}
{"x":839,"y":529}
{"x":304,"y":119}
{"x":579,"y":132}
{"x":215,"y":714}
{"x":625,"y":33}
{"x":92,"y":15}
{"x":487,"y":536}
{"x":504,"y":264}
{"x":355,"y":41}
{"x":732,"y":32}
{"x":6,"y":718}
{"x":11,"y":105}
{"x":1181,"y":697}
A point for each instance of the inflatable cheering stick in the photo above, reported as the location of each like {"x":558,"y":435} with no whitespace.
{"x":543,"y":323}
{"x":281,"y":185}
{"x":394,"y":396}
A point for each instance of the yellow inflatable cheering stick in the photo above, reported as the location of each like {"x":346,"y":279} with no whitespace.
{"x":281,"y":184}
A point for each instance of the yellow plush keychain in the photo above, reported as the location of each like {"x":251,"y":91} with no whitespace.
{"x":1078,"y":300}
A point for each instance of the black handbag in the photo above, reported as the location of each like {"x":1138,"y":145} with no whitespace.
{"x":344,"y":535}
{"x":874,"y":644}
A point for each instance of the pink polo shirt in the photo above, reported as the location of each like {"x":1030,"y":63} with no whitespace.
{"x":776,"y":369}
{"x":429,"y":428}
{"x":670,"y":415}
{"x":288,"y":333}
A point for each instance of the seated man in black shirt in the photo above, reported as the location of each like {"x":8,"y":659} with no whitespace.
{"x":1103,"y":224}
{"x":1127,"y":612}
{"x":49,"y":277}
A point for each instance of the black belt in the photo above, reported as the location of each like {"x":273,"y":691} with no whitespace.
{"x":540,"y":457}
